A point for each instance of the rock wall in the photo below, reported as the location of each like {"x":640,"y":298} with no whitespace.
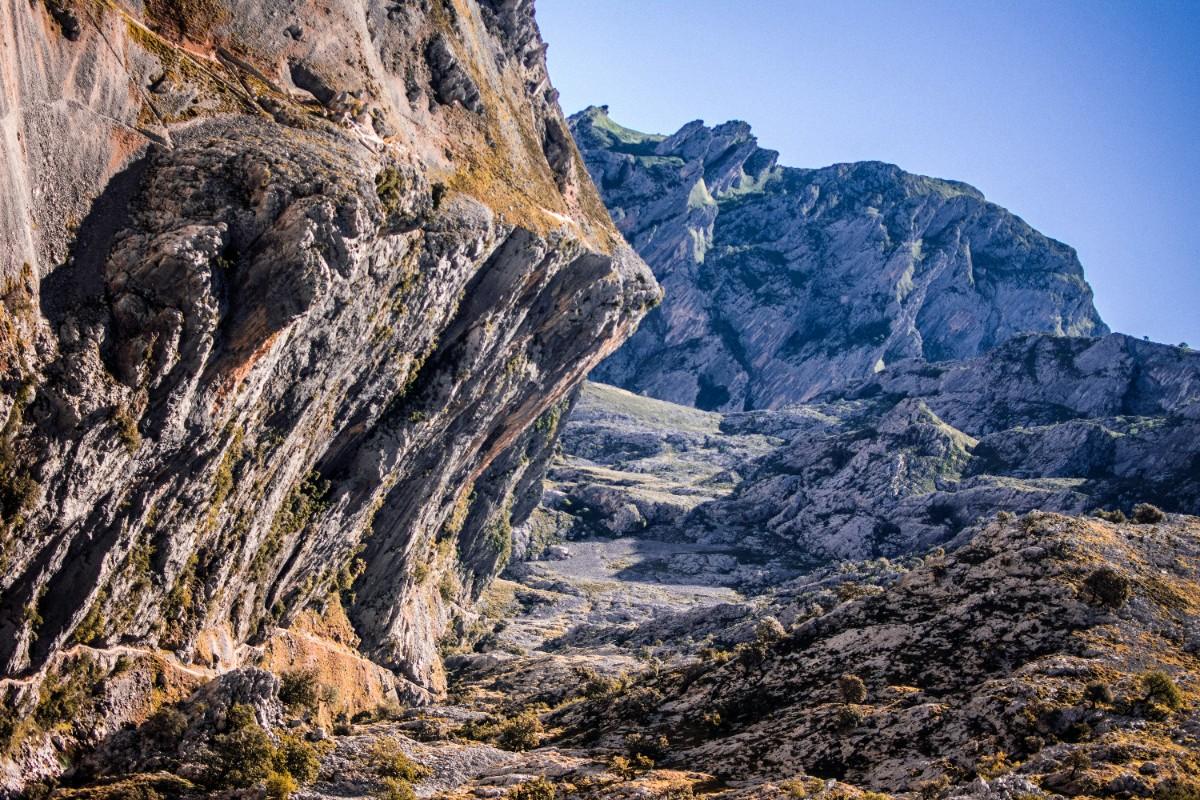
{"x":284,"y":285}
{"x":783,"y":282}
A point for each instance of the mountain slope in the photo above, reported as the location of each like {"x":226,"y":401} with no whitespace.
{"x":285,"y":290}
{"x":892,"y":465}
{"x":1044,"y":655}
{"x":782,"y":282}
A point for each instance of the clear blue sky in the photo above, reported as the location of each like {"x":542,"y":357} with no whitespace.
{"x":1081,"y":117}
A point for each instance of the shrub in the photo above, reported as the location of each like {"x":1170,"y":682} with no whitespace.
{"x":769,"y":630}
{"x":848,"y":719}
{"x":852,"y":689}
{"x":1177,"y":789}
{"x":1116,"y":515}
{"x":1146,"y":514}
{"x":994,"y":765}
{"x":715,"y":656}
{"x":653,"y":747}
{"x":127,"y":428}
{"x":519,"y":733}
{"x":165,"y":726}
{"x":1098,"y":693}
{"x":1109,"y":586}
{"x":297,"y":758}
{"x":298,"y":690}
{"x":66,"y":694}
{"x":627,"y":768}
{"x":243,"y":755}
{"x":1161,"y":690}
{"x":536,"y":789}
{"x":395,"y":789}
{"x":388,"y":760}
{"x":595,"y":686}
{"x":280,"y":785}
{"x":934,"y":787}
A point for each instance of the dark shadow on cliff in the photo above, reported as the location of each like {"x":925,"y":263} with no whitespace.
{"x":79,"y":283}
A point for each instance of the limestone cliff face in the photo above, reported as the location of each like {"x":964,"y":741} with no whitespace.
{"x":783,"y":282}
{"x":286,"y":286}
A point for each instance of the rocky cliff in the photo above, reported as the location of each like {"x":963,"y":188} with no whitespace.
{"x":285,"y":288}
{"x":783,"y":282}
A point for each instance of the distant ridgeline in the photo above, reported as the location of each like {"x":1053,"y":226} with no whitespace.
{"x":912,"y":357}
{"x":782,"y":282}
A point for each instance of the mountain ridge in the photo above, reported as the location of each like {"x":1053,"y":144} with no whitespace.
{"x":783,"y":282}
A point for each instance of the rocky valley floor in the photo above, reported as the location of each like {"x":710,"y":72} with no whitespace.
{"x":1043,"y":655}
{"x":638,"y":650}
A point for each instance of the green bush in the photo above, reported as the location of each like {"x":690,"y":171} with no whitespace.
{"x":395,"y":789}
{"x":165,"y":727}
{"x":280,"y":785}
{"x":1146,"y":514}
{"x":1161,"y":690}
{"x":852,"y":689}
{"x":243,"y":756}
{"x":298,"y":690}
{"x":769,"y":630}
{"x":388,"y":760}
{"x":653,"y":747}
{"x":1178,"y":789}
{"x":1108,"y":586}
{"x":1116,"y":515}
{"x":519,"y":733}
{"x":628,"y":768}
{"x":536,"y":789}
{"x":297,"y":758}
{"x":65,"y":695}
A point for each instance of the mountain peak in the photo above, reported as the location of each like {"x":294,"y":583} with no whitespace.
{"x":782,"y":282}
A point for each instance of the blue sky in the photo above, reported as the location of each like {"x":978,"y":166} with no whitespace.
{"x":1081,"y":117}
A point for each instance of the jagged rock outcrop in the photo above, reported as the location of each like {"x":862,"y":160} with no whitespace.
{"x":284,"y":292}
{"x":897,"y":463}
{"x":783,"y":282}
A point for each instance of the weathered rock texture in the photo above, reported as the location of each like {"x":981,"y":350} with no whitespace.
{"x":783,"y":282}
{"x":894,"y":464}
{"x":1020,"y":659}
{"x":285,"y":287}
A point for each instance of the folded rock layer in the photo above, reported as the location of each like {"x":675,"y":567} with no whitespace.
{"x":285,"y":289}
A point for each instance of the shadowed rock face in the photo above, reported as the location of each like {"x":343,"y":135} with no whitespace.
{"x":284,"y":293}
{"x":782,"y":282}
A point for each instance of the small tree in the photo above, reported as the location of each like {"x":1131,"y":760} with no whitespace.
{"x":1078,"y":761}
{"x":1108,"y":586}
{"x":298,"y":690}
{"x":1147,"y":514}
{"x":852,"y":689}
{"x":1161,"y":690}
{"x":769,"y":630}
{"x":519,"y":733}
